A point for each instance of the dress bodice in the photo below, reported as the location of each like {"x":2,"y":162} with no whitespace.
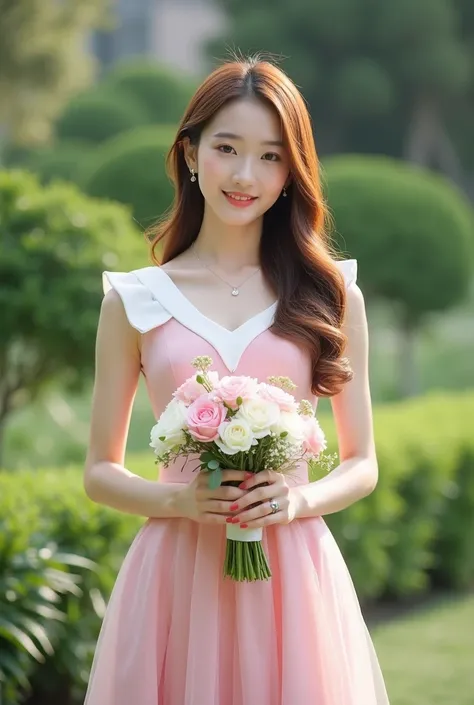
{"x":174,"y":331}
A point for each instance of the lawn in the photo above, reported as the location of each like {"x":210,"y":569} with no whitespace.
{"x":428,"y":657}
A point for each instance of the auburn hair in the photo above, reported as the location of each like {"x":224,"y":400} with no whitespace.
{"x":295,"y":252}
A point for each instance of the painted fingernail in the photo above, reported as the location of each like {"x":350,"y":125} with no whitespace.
{"x":233,"y":507}
{"x":243,"y":526}
{"x":242,"y":486}
{"x":235,"y":520}
{"x":248,"y":474}
{"x":229,"y":520}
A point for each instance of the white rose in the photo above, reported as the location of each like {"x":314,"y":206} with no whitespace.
{"x":292,"y":423}
{"x":235,"y":436}
{"x":168,"y":432}
{"x":261,"y":415}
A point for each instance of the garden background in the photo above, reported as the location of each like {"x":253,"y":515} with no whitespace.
{"x":91,"y":92}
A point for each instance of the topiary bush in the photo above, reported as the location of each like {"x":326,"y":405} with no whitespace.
{"x":131,"y":169}
{"x":98,"y":115}
{"x":414,"y":233}
{"x":63,"y":160}
{"x":162,"y":93}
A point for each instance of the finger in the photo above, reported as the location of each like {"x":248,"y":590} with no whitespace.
{"x":258,"y":478}
{"x":277,"y":518}
{"x":231,"y":474}
{"x":212,"y":518}
{"x":262,"y":510}
{"x":261,"y":494}
{"x":216,"y":506}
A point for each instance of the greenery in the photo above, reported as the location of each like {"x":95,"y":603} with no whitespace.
{"x":99,"y":114}
{"x":162,"y":93}
{"x":412,"y":230}
{"x":43,"y":61}
{"x":130,"y":168}
{"x":55,"y":243}
{"x":426,"y":656}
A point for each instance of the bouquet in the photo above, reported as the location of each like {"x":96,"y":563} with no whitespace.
{"x":237,"y":422}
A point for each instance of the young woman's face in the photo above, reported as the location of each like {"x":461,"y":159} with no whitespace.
{"x":241,"y":162}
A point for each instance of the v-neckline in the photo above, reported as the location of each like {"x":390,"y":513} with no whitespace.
{"x":229,"y":344}
{"x":172,"y":287}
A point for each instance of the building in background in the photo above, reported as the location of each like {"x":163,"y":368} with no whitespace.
{"x":171,"y":31}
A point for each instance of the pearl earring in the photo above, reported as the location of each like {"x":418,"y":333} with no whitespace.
{"x":193,"y":176}
{"x":284,"y":192}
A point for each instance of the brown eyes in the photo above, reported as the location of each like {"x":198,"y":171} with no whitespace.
{"x":268,"y":156}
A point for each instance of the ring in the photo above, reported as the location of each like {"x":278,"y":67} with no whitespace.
{"x":274,"y":506}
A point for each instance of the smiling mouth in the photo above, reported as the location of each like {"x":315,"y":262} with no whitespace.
{"x":239,"y":198}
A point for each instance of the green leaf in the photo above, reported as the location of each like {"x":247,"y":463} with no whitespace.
{"x":206,"y":456}
{"x":199,"y":379}
{"x":215,"y":477}
{"x":239,"y":400}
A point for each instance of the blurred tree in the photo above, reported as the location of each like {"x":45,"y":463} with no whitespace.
{"x":131,"y":169}
{"x":62,"y":160}
{"x":378,"y":76}
{"x":161,"y":92}
{"x":55,"y":243}
{"x":413,"y":234}
{"x":43,"y":60}
{"x":99,"y":114}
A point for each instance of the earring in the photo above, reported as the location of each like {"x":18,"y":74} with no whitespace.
{"x":284,"y":192}
{"x":193,"y":176}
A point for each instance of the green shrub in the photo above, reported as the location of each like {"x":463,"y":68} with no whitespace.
{"x":98,"y":115}
{"x":131,"y":169}
{"x":161,"y":92}
{"x":62,"y":160}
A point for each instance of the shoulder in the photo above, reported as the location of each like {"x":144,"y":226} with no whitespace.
{"x":133,"y":295}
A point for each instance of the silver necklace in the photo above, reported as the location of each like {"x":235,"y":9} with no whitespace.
{"x":235,"y":290}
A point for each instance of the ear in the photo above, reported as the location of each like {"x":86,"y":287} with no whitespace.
{"x":190,"y":154}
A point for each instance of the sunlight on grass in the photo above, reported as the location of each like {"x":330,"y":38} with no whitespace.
{"x":428,"y":658}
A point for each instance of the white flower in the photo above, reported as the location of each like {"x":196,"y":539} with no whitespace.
{"x":261,"y":415}
{"x":168,"y":432}
{"x":291,"y":423}
{"x":235,"y":436}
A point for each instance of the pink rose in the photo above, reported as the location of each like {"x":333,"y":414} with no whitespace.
{"x":230,"y":389}
{"x":204,"y":417}
{"x":190,"y":390}
{"x":314,"y":438}
{"x":285,"y":401}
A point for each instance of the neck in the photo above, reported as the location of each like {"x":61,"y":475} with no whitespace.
{"x":229,"y":247}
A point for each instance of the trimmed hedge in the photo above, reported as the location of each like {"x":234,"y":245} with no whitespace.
{"x":415,"y":532}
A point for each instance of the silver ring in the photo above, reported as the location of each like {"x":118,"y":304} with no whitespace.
{"x":274,"y":506}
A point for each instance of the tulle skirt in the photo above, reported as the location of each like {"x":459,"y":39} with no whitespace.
{"x":177,"y":633}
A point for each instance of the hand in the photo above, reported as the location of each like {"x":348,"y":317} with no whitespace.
{"x":276,"y":488}
{"x":199,"y":503}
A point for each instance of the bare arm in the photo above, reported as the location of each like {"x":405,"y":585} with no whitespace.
{"x":106,"y":480}
{"x":357,"y":474}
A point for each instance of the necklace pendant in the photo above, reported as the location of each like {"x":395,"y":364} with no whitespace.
{"x":235,"y":291}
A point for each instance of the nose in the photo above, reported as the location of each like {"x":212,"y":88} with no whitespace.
{"x":244,"y":174}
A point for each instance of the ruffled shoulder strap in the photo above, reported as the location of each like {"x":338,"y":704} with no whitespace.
{"x":143,"y":310}
{"x":348,"y":268}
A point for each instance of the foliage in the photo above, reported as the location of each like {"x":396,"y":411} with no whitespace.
{"x":131,"y":169}
{"x":43,"y":61}
{"x":62,"y":160}
{"x":97,"y":115}
{"x":412,"y":230}
{"x":55,"y":243}
{"x":161,"y":92}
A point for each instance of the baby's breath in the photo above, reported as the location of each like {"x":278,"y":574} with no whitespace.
{"x":284,"y":383}
{"x":305,"y":408}
{"x":202,"y":363}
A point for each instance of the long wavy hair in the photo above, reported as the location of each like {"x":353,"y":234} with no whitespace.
{"x":295,"y":252}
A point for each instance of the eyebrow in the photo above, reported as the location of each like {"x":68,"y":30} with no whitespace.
{"x":232,"y":136}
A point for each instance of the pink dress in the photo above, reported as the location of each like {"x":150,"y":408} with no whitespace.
{"x":175,"y":631}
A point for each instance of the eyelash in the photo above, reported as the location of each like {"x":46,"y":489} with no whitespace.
{"x":221,"y":148}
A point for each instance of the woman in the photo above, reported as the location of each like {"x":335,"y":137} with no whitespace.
{"x":246,"y":277}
